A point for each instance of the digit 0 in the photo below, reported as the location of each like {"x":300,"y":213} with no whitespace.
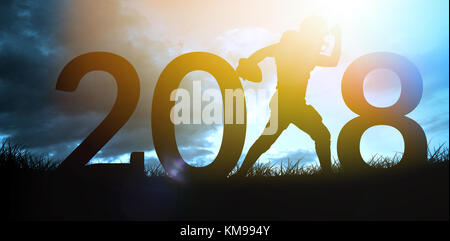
{"x":163,"y":129}
{"x":348,"y":143}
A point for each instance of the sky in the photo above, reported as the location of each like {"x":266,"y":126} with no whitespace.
{"x":37,"y":40}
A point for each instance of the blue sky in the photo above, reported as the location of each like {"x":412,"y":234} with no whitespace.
{"x":36,"y":41}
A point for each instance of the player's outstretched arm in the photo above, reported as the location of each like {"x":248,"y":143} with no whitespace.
{"x":333,"y":59}
{"x":263,"y":53}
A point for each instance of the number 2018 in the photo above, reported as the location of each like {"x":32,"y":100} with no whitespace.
{"x":348,"y":144}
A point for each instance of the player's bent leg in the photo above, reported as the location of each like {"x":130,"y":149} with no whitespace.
{"x":310,"y":121}
{"x":322,"y":141}
{"x":261,"y":145}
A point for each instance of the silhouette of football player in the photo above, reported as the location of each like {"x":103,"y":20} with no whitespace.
{"x":296,"y":55}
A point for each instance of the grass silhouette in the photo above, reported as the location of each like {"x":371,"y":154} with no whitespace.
{"x":284,"y":191}
{"x":16,"y":157}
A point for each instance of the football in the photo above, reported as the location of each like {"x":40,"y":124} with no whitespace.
{"x":249,"y":70}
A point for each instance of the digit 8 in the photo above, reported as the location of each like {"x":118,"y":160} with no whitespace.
{"x":348,"y":143}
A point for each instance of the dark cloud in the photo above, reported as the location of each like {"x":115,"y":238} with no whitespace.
{"x":37,"y":40}
{"x":34,"y":46}
{"x":29,"y":52}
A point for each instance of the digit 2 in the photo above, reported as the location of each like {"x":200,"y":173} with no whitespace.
{"x":128,"y":90}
